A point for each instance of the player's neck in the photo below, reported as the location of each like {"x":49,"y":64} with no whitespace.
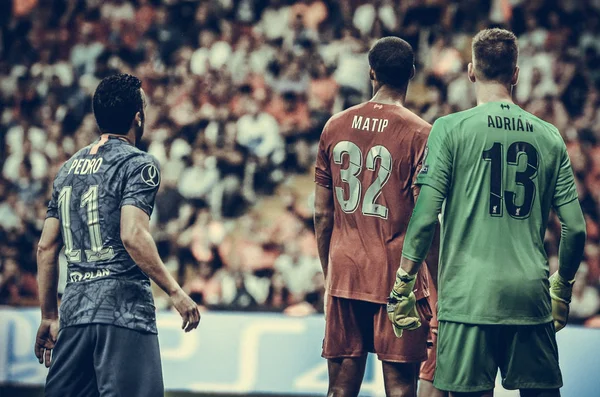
{"x":492,"y":92}
{"x":128,"y":138}
{"x":387,"y":95}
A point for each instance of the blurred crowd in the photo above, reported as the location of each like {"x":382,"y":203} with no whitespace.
{"x":239,"y":91}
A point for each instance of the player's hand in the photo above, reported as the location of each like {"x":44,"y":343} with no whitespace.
{"x":45,"y":340}
{"x":560,"y":292}
{"x":401,"y":307}
{"x":188,"y":310}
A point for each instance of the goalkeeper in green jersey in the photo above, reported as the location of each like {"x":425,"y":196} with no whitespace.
{"x":494,"y":172}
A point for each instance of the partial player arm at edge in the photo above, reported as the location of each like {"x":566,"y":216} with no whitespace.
{"x":48,"y":249}
{"x":573,"y":236}
{"x":433,"y":255}
{"x":421,"y":229}
{"x":324,"y":210}
{"x":570,"y":252}
{"x":137,"y":240}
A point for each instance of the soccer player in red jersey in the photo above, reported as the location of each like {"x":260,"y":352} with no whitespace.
{"x":369,"y":156}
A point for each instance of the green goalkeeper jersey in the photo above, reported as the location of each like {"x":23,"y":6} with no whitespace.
{"x":500,"y":169}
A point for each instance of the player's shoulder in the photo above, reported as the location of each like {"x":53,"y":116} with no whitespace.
{"x":419,"y":126}
{"x":342,"y":116}
{"x":453,"y":119}
{"x":134,"y":157}
{"x":140,"y":156}
{"x":335,"y":124}
{"x":140,"y":164}
{"x":547,"y":127}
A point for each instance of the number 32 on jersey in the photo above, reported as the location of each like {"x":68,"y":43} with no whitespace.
{"x":350,"y":177}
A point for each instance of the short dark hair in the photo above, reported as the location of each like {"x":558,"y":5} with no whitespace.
{"x":392,"y":59}
{"x":495,"y":54}
{"x":116,"y":101}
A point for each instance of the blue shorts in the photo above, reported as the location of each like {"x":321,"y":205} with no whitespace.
{"x":105,"y":360}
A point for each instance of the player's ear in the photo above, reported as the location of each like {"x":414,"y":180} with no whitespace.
{"x":371,"y":74}
{"x":471,"y":72}
{"x":138,"y":119}
{"x":412,"y":73}
{"x":515,"y":77}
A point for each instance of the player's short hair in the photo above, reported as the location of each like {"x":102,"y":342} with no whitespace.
{"x":495,"y":54}
{"x":392,"y":59}
{"x":116,"y":101}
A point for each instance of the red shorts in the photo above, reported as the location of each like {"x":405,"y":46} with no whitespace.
{"x":428,"y":366}
{"x":355,"y":328}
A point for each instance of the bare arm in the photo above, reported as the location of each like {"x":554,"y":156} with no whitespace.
{"x":323,"y":223}
{"x":48,"y":249}
{"x":136,"y":237}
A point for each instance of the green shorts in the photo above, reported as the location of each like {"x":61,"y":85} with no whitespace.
{"x":469,"y":355}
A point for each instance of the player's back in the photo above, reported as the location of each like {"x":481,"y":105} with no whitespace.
{"x":104,"y":285}
{"x":369,"y":156}
{"x":505,"y":166}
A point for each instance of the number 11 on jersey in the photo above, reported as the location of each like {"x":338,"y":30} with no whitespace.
{"x":90,"y":201}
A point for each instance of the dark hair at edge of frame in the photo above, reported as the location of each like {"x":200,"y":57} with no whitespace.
{"x":495,"y":55}
{"x":392,"y":59}
{"x":116,"y":101}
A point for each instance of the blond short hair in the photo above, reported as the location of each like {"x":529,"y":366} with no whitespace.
{"x":495,"y":54}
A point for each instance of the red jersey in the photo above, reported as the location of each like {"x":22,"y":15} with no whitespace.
{"x":369,"y":155}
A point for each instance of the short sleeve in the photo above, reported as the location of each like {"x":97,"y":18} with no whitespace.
{"x":323,"y":167}
{"x":565,"y":190}
{"x":142,"y":180}
{"x":52,"y":211}
{"x":437,"y":160}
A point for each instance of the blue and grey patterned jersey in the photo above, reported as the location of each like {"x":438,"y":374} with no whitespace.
{"x":104,"y":285}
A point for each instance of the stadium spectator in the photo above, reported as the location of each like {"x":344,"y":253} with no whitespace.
{"x":238,"y":94}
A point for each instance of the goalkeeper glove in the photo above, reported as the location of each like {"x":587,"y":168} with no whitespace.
{"x":401,"y":308}
{"x":560,"y":292}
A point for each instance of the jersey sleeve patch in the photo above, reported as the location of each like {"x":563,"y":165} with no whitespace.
{"x":425,"y":168}
{"x":142,"y":180}
{"x":150,"y":175}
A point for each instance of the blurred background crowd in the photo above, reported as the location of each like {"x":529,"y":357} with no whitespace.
{"x":239,"y":91}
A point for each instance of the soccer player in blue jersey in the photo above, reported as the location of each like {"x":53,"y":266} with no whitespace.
{"x":106,"y":342}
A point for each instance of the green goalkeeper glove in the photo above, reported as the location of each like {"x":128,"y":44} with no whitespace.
{"x":401,"y":308}
{"x":560,"y":292}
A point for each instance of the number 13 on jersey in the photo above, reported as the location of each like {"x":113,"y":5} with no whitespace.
{"x":524,"y":178}
{"x":350,"y":177}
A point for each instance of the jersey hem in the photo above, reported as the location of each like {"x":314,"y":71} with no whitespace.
{"x":136,"y":203}
{"x":96,"y":322}
{"x":360,"y":296}
{"x":467,"y":319}
{"x":462,"y":388}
